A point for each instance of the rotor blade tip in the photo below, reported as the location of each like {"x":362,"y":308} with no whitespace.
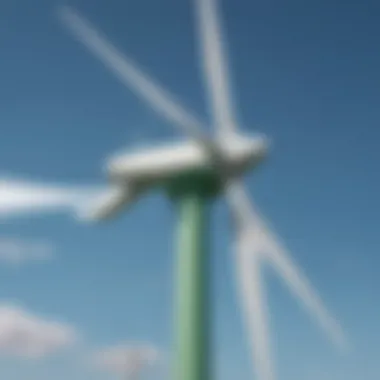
{"x":345,"y":345}
{"x":67,"y":14}
{"x":63,"y":11}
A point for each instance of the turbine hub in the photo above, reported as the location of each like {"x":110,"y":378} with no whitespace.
{"x":243,"y":152}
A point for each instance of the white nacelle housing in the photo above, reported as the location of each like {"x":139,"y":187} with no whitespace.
{"x":157,"y":164}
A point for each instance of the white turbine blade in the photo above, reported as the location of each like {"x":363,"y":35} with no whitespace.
{"x":23,"y":197}
{"x":131,"y":76}
{"x":300,"y":286}
{"x":214,"y":60}
{"x":253,"y":301}
{"x":243,"y":212}
{"x":108,"y":204}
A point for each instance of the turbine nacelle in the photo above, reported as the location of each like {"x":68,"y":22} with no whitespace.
{"x":154,"y":165}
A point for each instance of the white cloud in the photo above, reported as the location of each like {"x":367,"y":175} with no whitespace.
{"x":23,"y":334}
{"x":18,"y":251}
{"x":125,"y":359}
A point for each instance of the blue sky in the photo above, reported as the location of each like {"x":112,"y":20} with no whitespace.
{"x":305,"y":74}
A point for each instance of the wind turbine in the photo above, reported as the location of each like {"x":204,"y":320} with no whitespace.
{"x":193,"y":173}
